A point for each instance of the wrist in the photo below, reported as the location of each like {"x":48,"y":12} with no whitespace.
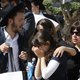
{"x":64,"y":48}
{"x":42,"y":57}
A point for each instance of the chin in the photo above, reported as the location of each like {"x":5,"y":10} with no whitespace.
{"x":20,"y":30}
{"x":75,"y":42}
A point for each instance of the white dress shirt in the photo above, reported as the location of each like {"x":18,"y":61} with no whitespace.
{"x":14,"y":44}
{"x":40,"y":16}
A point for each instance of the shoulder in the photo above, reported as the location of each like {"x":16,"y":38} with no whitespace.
{"x":28,"y":14}
{"x":50,"y":16}
{"x":62,"y":58}
{"x":1,"y":31}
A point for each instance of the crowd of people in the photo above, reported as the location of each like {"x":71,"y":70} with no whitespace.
{"x":29,"y":43}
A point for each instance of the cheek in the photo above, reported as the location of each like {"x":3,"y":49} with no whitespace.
{"x":45,"y":48}
{"x":32,"y":8}
{"x":79,"y":39}
{"x":18,"y":23}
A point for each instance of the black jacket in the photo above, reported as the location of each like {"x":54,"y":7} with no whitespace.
{"x":4,"y":58}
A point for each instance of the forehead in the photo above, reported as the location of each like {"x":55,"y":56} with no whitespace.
{"x":20,"y":15}
{"x":75,"y":28}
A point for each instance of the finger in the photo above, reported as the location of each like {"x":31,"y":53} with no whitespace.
{"x":33,"y":48}
{"x":61,"y":54}
{"x":58,"y":53}
{"x":55,"y":53}
{"x":5,"y":50}
{"x":21,"y":55}
{"x":23,"y":58}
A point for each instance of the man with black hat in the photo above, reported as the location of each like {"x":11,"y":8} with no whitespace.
{"x":12,"y":24}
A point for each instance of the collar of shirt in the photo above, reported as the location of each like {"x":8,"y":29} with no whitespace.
{"x":8,"y":37}
{"x":38,"y":14}
{"x":77,"y":48}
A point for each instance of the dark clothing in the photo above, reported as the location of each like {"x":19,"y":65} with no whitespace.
{"x":74,"y":66}
{"x":50,"y":16}
{"x":73,"y":63}
{"x":61,"y":72}
{"x":28,"y":30}
{"x":4,"y":58}
{"x":29,"y":26}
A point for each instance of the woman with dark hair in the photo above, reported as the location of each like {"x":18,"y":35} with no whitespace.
{"x":37,"y":9}
{"x":47,"y":25}
{"x":44,"y":36}
{"x":75,"y":36}
{"x":48,"y":66}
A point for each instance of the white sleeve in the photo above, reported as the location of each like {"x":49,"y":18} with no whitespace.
{"x":50,"y":69}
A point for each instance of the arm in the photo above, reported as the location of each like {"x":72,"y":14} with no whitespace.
{"x":60,"y":50}
{"x":39,"y":53}
{"x":48,"y":70}
{"x":38,"y":69}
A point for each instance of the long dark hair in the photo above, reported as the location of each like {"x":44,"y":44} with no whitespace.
{"x":47,"y":25}
{"x":76,"y":26}
{"x":42,"y":37}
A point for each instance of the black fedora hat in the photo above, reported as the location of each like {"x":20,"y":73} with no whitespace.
{"x":8,"y":11}
{"x":38,"y":2}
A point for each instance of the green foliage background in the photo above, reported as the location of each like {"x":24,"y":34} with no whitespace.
{"x":74,"y":5}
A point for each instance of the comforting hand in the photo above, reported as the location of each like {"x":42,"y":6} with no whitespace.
{"x":4,"y":48}
{"x":23,"y":55}
{"x":59,"y":51}
{"x":39,"y":53}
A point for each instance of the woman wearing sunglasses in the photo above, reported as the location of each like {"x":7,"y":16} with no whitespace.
{"x":75,"y":38}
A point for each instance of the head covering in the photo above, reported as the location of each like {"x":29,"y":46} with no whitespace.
{"x":39,"y":3}
{"x":6,"y":13}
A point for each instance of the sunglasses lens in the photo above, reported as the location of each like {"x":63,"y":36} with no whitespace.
{"x":77,"y":33}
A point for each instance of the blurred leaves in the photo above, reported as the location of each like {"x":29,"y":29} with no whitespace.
{"x":70,"y":6}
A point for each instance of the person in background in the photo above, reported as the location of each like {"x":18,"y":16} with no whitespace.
{"x":47,"y":25}
{"x":37,"y":8}
{"x":74,"y":62}
{"x":14,"y":2}
{"x":28,"y":29}
{"x":4,"y":3}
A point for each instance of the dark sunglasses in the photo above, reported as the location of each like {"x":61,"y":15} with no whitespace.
{"x":77,"y":33}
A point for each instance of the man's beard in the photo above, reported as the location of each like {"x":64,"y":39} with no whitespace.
{"x":14,"y":28}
